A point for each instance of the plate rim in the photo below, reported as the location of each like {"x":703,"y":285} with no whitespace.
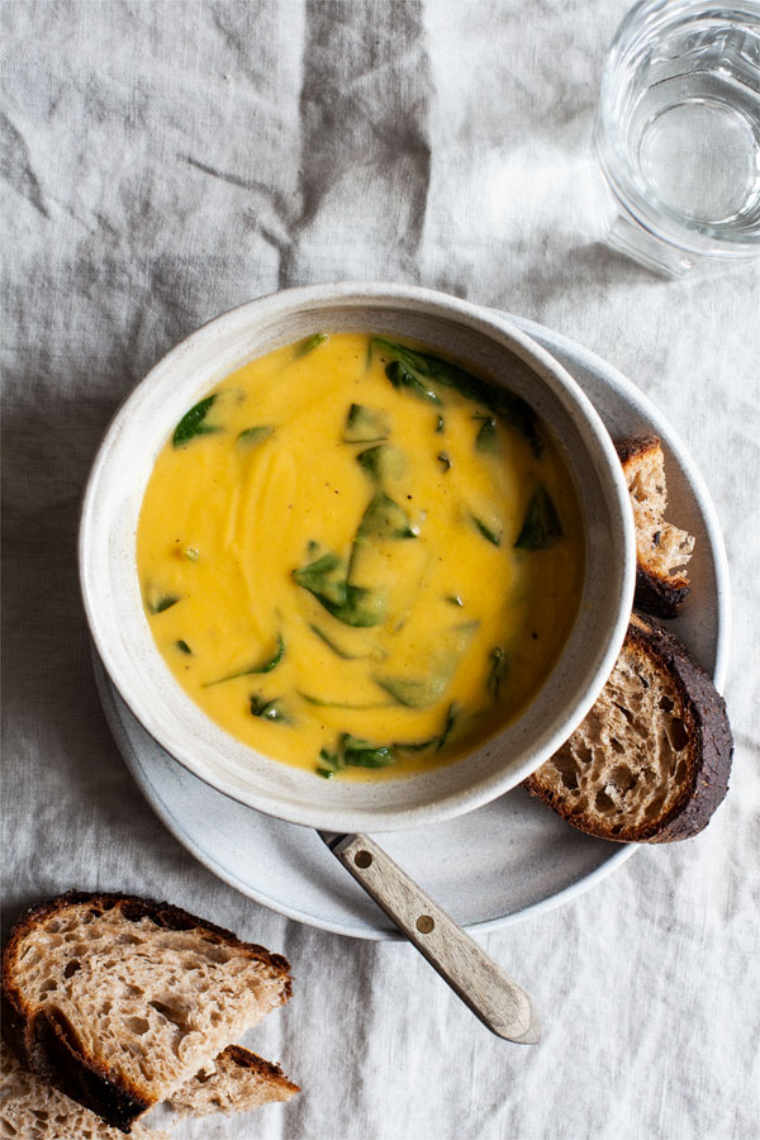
{"x":548,"y":339}
{"x":649,"y":410}
{"x":110,"y":699}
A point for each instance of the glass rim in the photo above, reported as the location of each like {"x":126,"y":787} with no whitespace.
{"x":645,"y":19}
{"x":646,"y":15}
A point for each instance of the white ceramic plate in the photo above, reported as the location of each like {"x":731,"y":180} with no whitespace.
{"x":494,"y":865}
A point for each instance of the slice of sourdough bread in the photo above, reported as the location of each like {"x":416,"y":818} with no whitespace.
{"x":650,"y":763}
{"x":119,"y":1001}
{"x":236,"y":1081}
{"x":663,"y":550}
{"x":30,"y":1109}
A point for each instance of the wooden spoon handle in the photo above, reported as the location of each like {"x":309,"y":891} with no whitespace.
{"x":500,"y":1004}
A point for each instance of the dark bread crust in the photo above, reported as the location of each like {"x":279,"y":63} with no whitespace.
{"x":44,"y":1040}
{"x":710,"y":745}
{"x":713,"y":747}
{"x":266,"y":1069}
{"x":656,"y":593}
{"x":61,"y":1061}
{"x":635,"y":446}
{"x":662,"y":597}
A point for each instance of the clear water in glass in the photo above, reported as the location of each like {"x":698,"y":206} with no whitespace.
{"x":678,"y":132}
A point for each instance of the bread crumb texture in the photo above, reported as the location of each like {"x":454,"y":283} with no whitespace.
{"x":663,"y":549}
{"x":628,"y":763}
{"x":145,"y":994}
{"x":33,"y":1110}
{"x":651,"y":760}
{"x":237,"y":1081}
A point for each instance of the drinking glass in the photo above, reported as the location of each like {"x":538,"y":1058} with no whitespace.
{"x":678,"y":133}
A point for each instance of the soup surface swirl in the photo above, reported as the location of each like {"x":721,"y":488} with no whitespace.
{"x":360,"y":558}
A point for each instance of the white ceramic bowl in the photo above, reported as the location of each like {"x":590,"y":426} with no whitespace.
{"x":111,"y":592}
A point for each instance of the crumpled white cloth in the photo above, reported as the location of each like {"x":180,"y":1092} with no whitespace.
{"x":164,"y":160}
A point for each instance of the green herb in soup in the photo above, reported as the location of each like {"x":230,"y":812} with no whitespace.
{"x":360,"y":557}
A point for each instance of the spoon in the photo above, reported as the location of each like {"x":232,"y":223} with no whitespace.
{"x":503,"y":1006}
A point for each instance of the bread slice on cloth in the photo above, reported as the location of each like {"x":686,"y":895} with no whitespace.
{"x":237,"y":1081}
{"x":120,"y":1001}
{"x":30,"y":1109}
{"x":650,"y":763}
{"x":662,"y":550}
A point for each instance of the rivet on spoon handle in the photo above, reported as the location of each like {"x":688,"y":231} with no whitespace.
{"x":503,"y":1006}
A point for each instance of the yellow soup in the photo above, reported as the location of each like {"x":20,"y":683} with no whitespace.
{"x":359,"y":558}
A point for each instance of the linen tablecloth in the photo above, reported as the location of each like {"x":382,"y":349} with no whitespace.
{"x":164,"y":160}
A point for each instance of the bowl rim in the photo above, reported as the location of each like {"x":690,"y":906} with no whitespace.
{"x":550,"y":371}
